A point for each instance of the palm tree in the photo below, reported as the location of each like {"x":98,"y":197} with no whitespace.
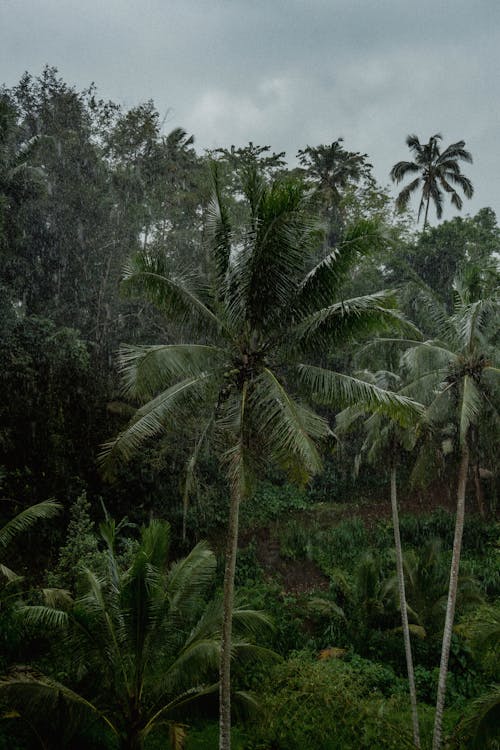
{"x":148,"y":632}
{"x":332,"y":169}
{"x":384,"y":438}
{"x":265,"y":308}
{"x":436,"y":172}
{"x":461,"y":381}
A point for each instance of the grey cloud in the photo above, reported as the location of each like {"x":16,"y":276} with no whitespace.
{"x":284,"y":72}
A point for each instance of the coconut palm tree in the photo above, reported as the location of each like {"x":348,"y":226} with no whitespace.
{"x":265,"y":309}
{"x":437,"y":171}
{"x":146,"y":630}
{"x":384,"y":438}
{"x":460,"y":374}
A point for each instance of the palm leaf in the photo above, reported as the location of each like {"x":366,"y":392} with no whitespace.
{"x":288,"y":428}
{"x":470,"y":407}
{"x":402,"y":168}
{"x":148,"y":369}
{"x":151,"y":419}
{"x":323,"y":281}
{"x":188,"y":579}
{"x":333,"y":388}
{"x":280,"y":241}
{"x":219,"y":229}
{"x":179,"y":296}
{"x":26,"y":519}
{"x":39,"y":694}
{"x":345,"y":321}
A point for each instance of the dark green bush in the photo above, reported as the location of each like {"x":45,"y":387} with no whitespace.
{"x":327,"y":705}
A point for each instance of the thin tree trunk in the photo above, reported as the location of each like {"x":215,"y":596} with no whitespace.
{"x":426,"y":212}
{"x":227,"y":622}
{"x":404,"y":609}
{"x":452,"y":598}
{"x":479,"y":491}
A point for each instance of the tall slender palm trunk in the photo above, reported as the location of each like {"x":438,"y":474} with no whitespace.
{"x":452,"y":598}
{"x":404,"y":609}
{"x":426,"y":212}
{"x":227,"y":623}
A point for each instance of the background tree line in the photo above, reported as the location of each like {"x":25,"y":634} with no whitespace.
{"x":84,"y":186}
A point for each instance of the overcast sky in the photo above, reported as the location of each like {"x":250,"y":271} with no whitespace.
{"x":287,"y":73}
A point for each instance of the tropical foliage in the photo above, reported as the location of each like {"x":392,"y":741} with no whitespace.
{"x":148,"y":630}
{"x":281,"y":294}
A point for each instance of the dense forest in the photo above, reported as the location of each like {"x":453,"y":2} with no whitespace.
{"x":249,"y":435}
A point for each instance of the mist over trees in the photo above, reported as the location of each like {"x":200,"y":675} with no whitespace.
{"x":258,"y":330}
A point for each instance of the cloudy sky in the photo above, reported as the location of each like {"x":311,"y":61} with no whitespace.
{"x":283,"y":72}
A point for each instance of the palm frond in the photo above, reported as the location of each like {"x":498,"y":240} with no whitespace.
{"x":322,"y":282}
{"x":179,"y":702}
{"x":219,"y":227}
{"x":190,"y":481}
{"x":470,"y":406}
{"x":179,"y":296}
{"x":426,"y":357}
{"x":437,"y":198}
{"x":288,"y":427}
{"x":405,"y":194}
{"x":188,"y":579}
{"x":401,"y":169}
{"x":482,"y":725}
{"x":333,"y":388}
{"x":347,"y":320}
{"x":39,"y":694}
{"x":470,"y":318}
{"x":151,"y":419}
{"x":146,"y":370}
{"x":26,"y":519}
{"x":9,"y":575}
{"x":455,"y":151}
{"x":281,"y":241}
{"x":45,"y":617}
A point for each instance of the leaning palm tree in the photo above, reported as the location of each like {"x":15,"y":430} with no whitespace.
{"x":148,"y":630}
{"x":437,"y":171}
{"x":265,"y":308}
{"x":461,"y":378}
{"x":385,"y":439}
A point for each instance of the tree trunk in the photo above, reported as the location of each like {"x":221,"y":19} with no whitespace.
{"x":404,"y":609}
{"x":452,"y":598}
{"x":426,"y":212}
{"x":479,"y":491}
{"x":227,"y":622}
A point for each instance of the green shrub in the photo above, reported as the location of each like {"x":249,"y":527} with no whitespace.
{"x":270,"y":502}
{"x":327,"y":705}
{"x":340,"y":546}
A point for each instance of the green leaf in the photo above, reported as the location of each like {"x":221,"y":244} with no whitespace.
{"x":333,"y":388}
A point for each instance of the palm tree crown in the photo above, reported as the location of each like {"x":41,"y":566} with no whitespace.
{"x":266,"y":308}
{"x":147,"y":629}
{"x":437,"y":171}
